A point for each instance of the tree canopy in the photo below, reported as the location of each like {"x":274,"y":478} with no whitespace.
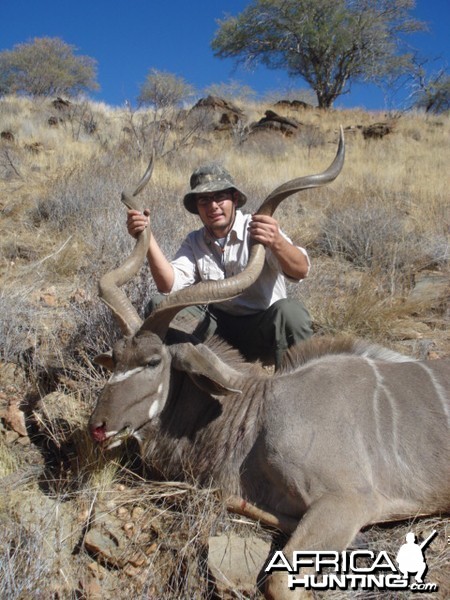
{"x":164,"y":90}
{"x":46,"y":66}
{"x":328,"y":43}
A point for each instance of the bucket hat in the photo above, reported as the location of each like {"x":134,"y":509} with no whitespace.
{"x":210,"y":178}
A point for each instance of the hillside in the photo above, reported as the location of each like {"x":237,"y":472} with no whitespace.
{"x":378,"y":239}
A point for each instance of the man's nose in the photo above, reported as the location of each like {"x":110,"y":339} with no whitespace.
{"x":213,"y":203}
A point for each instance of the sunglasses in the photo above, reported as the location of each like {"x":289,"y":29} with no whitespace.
{"x":217,"y":197}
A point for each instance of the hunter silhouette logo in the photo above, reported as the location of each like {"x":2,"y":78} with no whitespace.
{"x":358,"y":569}
{"x":411,"y":559}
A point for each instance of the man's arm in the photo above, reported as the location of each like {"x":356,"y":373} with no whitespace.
{"x":292,"y":261}
{"x":160,"y":267}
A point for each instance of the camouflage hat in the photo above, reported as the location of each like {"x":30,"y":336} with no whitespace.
{"x":210,"y":178}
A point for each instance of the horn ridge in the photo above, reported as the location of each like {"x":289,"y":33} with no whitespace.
{"x":110,"y":283}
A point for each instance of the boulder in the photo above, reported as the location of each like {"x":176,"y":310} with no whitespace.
{"x":274,"y":121}
{"x":376,"y":131}
{"x":224,"y":115}
{"x":431,"y":288}
{"x":236,"y":561}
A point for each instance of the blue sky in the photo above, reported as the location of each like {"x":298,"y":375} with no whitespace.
{"x":129,"y":37}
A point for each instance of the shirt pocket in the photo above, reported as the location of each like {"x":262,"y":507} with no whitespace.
{"x":208,"y":269}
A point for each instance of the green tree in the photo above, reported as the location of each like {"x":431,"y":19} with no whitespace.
{"x":328,"y":43}
{"x":46,"y":66}
{"x":164,"y":90}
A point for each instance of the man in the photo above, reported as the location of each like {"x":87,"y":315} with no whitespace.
{"x":262,"y":322}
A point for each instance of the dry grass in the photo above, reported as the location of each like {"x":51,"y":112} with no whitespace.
{"x":9,"y":461}
{"x":383,"y":221}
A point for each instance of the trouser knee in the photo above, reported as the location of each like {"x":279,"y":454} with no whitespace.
{"x":291,"y":320}
{"x":291,"y":325}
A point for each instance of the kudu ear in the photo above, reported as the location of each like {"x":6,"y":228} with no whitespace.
{"x":205,"y":369}
{"x":105,"y":360}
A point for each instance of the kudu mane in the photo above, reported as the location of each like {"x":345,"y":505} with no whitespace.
{"x":300,"y":354}
{"x":233,"y":357}
{"x":317,"y":347}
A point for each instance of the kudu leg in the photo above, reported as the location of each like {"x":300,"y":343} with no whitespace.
{"x":239,"y":506}
{"x":329,"y":524}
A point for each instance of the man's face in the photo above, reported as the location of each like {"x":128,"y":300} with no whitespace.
{"x":217,"y":210}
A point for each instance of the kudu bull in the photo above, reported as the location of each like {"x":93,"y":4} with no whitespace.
{"x":345,"y":435}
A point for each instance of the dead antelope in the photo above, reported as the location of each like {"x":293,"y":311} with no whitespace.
{"x":345,"y":435}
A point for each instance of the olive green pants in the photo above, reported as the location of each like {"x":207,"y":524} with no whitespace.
{"x":264,"y":335}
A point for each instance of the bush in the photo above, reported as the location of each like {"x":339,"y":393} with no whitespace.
{"x":371,"y":237}
{"x":46,"y":66}
{"x":164,"y":90}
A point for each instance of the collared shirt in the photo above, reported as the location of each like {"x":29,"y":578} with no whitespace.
{"x":202,"y":258}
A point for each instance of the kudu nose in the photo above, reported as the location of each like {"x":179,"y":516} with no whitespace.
{"x":98,"y":432}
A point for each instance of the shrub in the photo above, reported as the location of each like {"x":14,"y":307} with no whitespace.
{"x":46,"y":66}
{"x":164,"y":90}
{"x":371,"y":237}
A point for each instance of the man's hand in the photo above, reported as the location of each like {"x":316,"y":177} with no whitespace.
{"x":292,"y":260}
{"x":137,"y":221}
{"x":265,"y":229}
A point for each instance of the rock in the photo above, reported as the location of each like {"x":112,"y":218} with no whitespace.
{"x":109,"y":543}
{"x":24,"y":441}
{"x":79,"y":296}
{"x":225,"y":114}
{"x":61,"y":104}
{"x":49,"y":298}
{"x":93,"y":590}
{"x":409,"y":329}
{"x":273,"y":121}
{"x":11,"y":437}
{"x":104,"y":546}
{"x":236,"y":561}
{"x":376,"y":131}
{"x":13,"y":380}
{"x":218,"y":104}
{"x":15,"y":417}
{"x":96,"y":570}
{"x":431,"y":288}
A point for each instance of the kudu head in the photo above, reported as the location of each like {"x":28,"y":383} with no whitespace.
{"x":141,"y":363}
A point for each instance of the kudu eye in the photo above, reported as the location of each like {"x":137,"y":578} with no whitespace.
{"x":154,"y":361}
